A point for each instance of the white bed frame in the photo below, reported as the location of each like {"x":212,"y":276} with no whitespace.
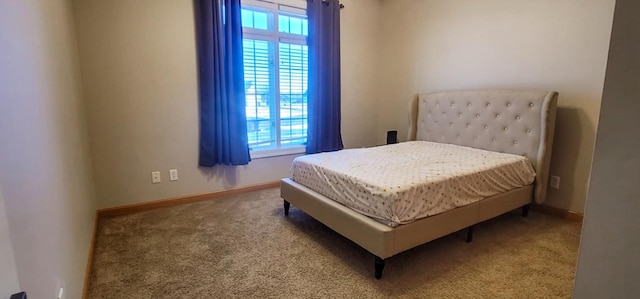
{"x":516,"y":122}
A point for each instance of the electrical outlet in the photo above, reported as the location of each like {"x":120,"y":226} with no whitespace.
{"x":554,"y":182}
{"x":173,"y":175}
{"x":155,"y":177}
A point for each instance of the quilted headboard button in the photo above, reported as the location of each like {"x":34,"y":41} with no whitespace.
{"x":515,"y":142}
{"x":498,"y":115}
{"x":477,"y":115}
{"x":506,"y":128}
{"x":528,"y":130}
{"x":486,"y":127}
{"x":508,"y":104}
{"x":530,"y":104}
{"x":517,"y":116}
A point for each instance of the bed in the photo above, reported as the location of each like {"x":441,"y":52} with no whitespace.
{"x":519,"y":124}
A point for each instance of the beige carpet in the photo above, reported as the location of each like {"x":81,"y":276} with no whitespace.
{"x":243,"y":247}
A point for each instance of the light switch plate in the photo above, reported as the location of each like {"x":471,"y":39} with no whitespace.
{"x":554,"y":182}
{"x":173,"y":175}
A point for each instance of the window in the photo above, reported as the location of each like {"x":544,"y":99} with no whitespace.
{"x":275,"y":73}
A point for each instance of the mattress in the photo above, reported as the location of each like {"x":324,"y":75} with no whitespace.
{"x":400,"y":183}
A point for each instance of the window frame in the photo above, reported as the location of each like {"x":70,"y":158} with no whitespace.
{"x":274,"y":36}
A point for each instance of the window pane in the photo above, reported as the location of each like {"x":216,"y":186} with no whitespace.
{"x":247,"y":18}
{"x":293,"y":93}
{"x":293,"y":24}
{"x":258,"y":74}
{"x":256,"y":19}
{"x":283,"y":23}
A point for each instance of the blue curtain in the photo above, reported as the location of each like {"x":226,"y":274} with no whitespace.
{"x":223,"y":120}
{"x":324,"y":76}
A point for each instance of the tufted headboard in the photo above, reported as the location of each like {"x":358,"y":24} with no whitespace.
{"x":509,"y":121}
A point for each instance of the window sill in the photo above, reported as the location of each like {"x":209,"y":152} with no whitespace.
{"x":268,"y":153}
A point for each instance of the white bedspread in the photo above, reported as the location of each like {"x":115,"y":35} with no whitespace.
{"x":400,"y":183}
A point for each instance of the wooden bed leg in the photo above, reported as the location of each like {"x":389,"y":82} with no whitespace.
{"x":287,"y":205}
{"x":525,"y":210}
{"x":379,"y":265}
{"x":469,"y":234}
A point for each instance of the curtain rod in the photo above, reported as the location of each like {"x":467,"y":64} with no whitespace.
{"x":341,"y":5}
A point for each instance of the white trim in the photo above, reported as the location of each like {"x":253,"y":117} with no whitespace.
{"x":296,"y":40}
{"x":257,"y":3}
{"x":260,"y":37}
{"x":296,"y":11}
{"x":284,"y":151}
{"x":259,"y":34}
{"x":302,"y":4}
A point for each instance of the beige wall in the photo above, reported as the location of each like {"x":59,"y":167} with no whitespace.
{"x":359,"y":55}
{"x":45,"y":173}
{"x":561,"y":45}
{"x":9,"y":275}
{"x":138,"y":61}
{"x":608,"y":265}
{"x":140,"y":82}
